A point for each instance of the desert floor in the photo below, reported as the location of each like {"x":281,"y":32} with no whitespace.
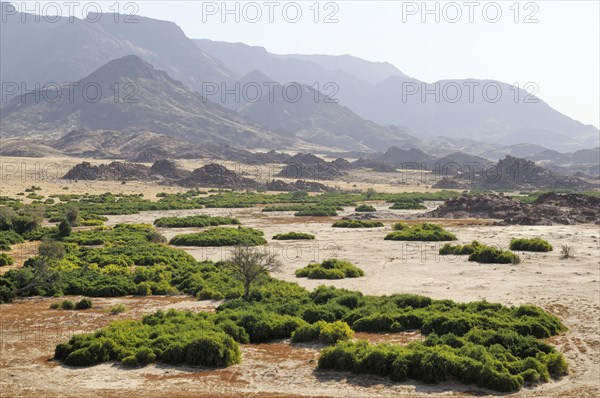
{"x":569,"y":289}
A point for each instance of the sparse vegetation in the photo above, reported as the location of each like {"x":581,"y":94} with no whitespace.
{"x":356,"y":224}
{"x":567,"y":252}
{"x":421,"y":232}
{"x":460,"y":250}
{"x":412,"y":205}
{"x":330,"y":269}
{"x":531,"y":245}
{"x":198,"y":221}
{"x":221,"y":237}
{"x":294,"y":236}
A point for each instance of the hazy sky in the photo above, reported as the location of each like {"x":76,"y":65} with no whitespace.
{"x":554,"y":44}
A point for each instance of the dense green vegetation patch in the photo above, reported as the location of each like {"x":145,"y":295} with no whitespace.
{"x":221,"y":237}
{"x":324,"y":332}
{"x":365,"y":208}
{"x":330,"y":269}
{"x":460,"y":250}
{"x":408,"y":205}
{"x":357,"y":224}
{"x":317,"y":211}
{"x":198,"y":221}
{"x":172,"y":337}
{"x":294,"y":236}
{"x":8,"y":238}
{"x":531,"y":245}
{"x":420,"y":232}
{"x":5,"y":259}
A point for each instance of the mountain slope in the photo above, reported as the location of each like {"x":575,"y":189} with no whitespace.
{"x":42,"y":51}
{"x":149,"y":100}
{"x":313,"y":117}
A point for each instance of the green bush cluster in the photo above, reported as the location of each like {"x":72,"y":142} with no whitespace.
{"x":198,"y":221}
{"x":365,"y":208}
{"x":488,"y":364}
{"x":531,"y":245}
{"x":294,"y":236}
{"x":488,"y":254}
{"x":459,"y":250}
{"x":316,"y":211}
{"x":325,"y":332}
{"x":172,"y":337}
{"x":9,"y":238}
{"x":481,"y":253}
{"x":5,"y":259}
{"x":357,"y":224}
{"x":421,"y":232}
{"x":83,"y":304}
{"x":330,"y":269}
{"x":221,"y":237}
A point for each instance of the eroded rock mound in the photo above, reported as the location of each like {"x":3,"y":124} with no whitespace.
{"x":117,"y":171}
{"x":216,"y":176}
{"x":168,"y":169}
{"x":548,"y":209}
{"x":308,"y":166}
{"x":298,"y":185}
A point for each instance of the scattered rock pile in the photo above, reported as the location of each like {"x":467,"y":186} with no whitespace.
{"x":116,"y":171}
{"x":548,"y":209}
{"x":311,"y":167}
{"x":168,"y":169}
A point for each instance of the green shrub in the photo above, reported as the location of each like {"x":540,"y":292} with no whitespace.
{"x":55,"y":306}
{"x":365,"y":208}
{"x":221,"y":237}
{"x":400,"y":226}
{"x":421,"y":232}
{"x":330,"y":269}
{"x":356,"y":224}
{"x":83,"y":304}
{"x":117,"y":309}
{"x":9,"y":238}
{"x":198,"y":221}
{"x":64,"y":228}
{"x":458,"y":250}
{"x":324,"y":332}
{"x":5,"y":259}
{"x":67,"y":305}
{"x":532,"y":245}
{"x":294,"y":236}
{"x":488,"y":254}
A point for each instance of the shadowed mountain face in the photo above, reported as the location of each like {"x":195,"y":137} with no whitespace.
{"x":129,"y":95}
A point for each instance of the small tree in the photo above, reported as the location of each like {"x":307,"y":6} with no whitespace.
{"x":72,"y":214}
{"x":50,"y":249}
{"x":64,"y":228}
{"x":249,"y":263}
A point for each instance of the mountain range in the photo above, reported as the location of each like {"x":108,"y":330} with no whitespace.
{"x":346,"y":104}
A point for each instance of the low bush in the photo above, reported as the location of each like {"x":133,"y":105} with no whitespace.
{"x":117,"y":309}
{"x":357,"y":224}
{"x":325,"y":332}
{"x":83,"y":304}
{"x":415,"y":205}
{"x":9,"y":238}
{"x":67,"y":305}
{"x":330,"y":269}
{"x":221,"y":237}
{"x":400,"y":226}
{"x":198,"y":221}
{"x":294,"y":236}
{"x":5,"y":259}
{"x":531,"y":245}
{"x":460,"y":250}
{"x":488,"y":254}
{"x":421,"y":232}
{"x":365,"y":208}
